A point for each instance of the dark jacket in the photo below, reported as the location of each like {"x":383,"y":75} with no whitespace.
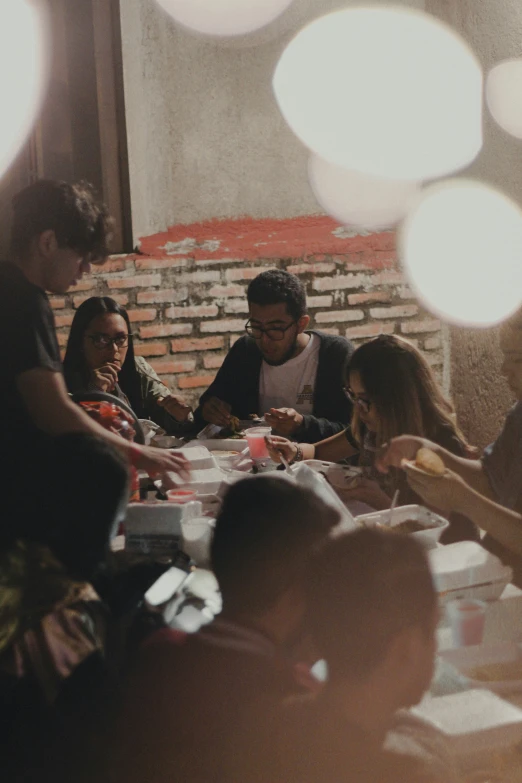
{"x":237,"y":383}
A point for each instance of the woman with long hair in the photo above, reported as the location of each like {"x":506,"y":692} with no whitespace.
{"x":394,"y":392}
{"x":100,"y":357}
{"x":487,"y":490}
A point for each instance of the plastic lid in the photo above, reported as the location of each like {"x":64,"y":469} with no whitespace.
{"x":464,"y":564}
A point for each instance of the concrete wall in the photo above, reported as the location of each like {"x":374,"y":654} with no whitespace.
{"x":206,"y":138}
{"x":494,"y":29}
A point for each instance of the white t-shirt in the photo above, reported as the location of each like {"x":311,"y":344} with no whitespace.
{"x":292,"y":384}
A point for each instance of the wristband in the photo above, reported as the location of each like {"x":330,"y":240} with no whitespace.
{"x":134,"y":455}
{"x":298,"y":455}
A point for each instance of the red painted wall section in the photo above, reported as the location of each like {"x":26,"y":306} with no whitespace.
{"x":248,"y":239}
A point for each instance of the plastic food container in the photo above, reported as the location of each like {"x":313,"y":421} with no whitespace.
{"x":475,"y":723}
{"x":220,"y":444}
{"x":181,"y":496}
{"x":497,"y":667}
{"x":203,"y":482}
{"x":434,"y":524}
{"x":199,"y":457}
{"x":467,"y":570}
{"x":155,"y":528}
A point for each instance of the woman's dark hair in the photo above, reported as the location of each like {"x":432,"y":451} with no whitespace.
{"x":276,"y":286}
{"x":400,"y":383}
{"x":74,"y":364}
{"x":73,"y":212}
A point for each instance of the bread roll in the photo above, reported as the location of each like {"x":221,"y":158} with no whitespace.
{"x":429,"y":462}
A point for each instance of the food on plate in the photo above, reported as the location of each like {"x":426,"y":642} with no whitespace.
{"x":223,"y":453}
{"x":408,"y":526}
{"x":233,"y":431}
{"x":429,"y":462}
{"x":497,"y":672}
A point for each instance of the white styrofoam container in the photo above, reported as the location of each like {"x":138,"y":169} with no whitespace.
{"x":219,"y":444}
{"x":156,"y":526}
{"x":435,"y":524}
{"x":475,"y":723}
{"x":465,"y":659}
{"x":199,"y":457}
{"x":467,"y":570}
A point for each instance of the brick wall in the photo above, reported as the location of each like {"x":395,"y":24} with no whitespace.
{"x":186,"y":291}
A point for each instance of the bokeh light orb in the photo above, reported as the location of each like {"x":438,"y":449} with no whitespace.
{"x":388,"y":91}
{"x":24,"y":70}
{"x":504,"y":95}
{"x":357,"y":199}
{"x":224,"y":17}
{"x":461,"y":246}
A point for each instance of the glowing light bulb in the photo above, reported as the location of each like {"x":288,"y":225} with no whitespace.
{"x":391,"y":92}
{"x":224,"y":17}
{"x":358,"y":199}
{"x":461,"y":246}
{"x":504,"y":95}
{"x":24,"y":68}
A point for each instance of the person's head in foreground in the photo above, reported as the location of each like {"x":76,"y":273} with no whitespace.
{"x":394,"y":392}
{"x":58,"y":231}
{"x":511,"y":347}
{"x":373,"y":613}
{"x":101,"y":336}
{"x":278,"y":314}
{"x":264,"y":536}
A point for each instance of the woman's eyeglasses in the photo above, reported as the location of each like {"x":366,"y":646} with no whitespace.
{"x":273,"y":334}
{"x":362,"y":402}
{"x":102,"y":341}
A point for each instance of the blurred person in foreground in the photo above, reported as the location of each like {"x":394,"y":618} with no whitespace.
{"x":372,"y":613}
{"x":487,"y":490}
{"x":191,"y":697}
{"x":58,"y":232}
{"x":280,"y":369}
{"x":57,"y":662}
{"x":100,"y":357}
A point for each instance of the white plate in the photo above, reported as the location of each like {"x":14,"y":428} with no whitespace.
{"x":465,"y":659}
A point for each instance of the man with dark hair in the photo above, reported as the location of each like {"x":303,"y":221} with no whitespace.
{"x":292,"y":376}
{"x":197,"y":704}
{"x":58,"y":231}
{"x":372,"y":612}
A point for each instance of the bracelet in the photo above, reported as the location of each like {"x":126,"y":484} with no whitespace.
{"x":298,"y":455}
{"x":134,"y":454}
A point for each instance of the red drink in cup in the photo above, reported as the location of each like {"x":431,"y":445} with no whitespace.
{"x":467,"y":618}
{"x":256,"y":442}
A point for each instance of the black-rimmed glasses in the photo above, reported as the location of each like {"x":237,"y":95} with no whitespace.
{"x":276,"y":334}
{"x":102,"y":341}
{"x":363,"y":402}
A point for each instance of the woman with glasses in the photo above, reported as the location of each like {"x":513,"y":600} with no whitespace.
{"x":394,"y":392}
{"x":100,"y":357}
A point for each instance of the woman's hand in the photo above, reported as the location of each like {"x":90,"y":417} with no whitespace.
{"x":156,"y":462}
{"x":366,"y":491}
{"x":404,"y":447}
{"x":278,"y":446}
{"x":175,"y":406}
{"x":448,"y":492}
{"x":105,"y":377}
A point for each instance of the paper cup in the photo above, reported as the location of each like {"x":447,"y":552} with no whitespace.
{"x":466,"y":618}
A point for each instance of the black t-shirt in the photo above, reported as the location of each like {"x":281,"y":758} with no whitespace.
{"x":28,"y":341}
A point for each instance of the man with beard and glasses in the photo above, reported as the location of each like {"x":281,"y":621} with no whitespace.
{"x":279,"y":369}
